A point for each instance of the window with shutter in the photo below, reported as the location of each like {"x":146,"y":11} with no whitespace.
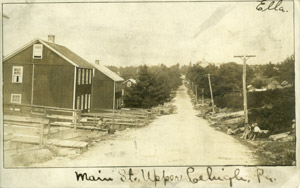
{"x":82,"y":76}
{"x":87,"y":76}
{"x":78,"y":103}
{"x":89,"y":101}
{"x":37,"y":51}
{"x":17,"y":74}
{"x":86,"y":101}
{"x":90,"y":77}
{"x":79,"y":76}
{"x":82,"y":102}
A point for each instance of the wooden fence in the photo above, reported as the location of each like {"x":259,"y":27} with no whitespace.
{"x":63,"y":117}
{"x":116,"y":119}
{"x":69,"y":117}
{"x":24,"y":129}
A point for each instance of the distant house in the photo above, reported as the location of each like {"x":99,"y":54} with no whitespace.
{"x":259,"y":90}
{"x":47,"y":74}
{"x":286,"y":84}
{"x":274,"y":85}
{"x":106,"y":88}
{"x":250,"y":88}
{"x":126,"y":85}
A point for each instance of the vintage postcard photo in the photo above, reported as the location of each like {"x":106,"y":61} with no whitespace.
{"x":149,"y":84}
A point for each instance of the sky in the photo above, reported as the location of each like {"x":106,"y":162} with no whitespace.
{"x":125,"y":34}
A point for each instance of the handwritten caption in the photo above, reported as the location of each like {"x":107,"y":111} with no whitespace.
{"x":265,"y":5}
{"x":191,"y":175}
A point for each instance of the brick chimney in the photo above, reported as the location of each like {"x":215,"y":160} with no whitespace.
{"x":51,"y":38}
{"x":97,"y":62}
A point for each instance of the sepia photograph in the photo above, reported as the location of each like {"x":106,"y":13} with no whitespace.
{"x":145,"y":84}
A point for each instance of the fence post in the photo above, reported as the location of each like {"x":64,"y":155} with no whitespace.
{"x":41,"y":135}
{"x":75,"y":120}
{"x":49,"y":127}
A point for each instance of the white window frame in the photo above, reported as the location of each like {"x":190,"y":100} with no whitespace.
{"x":37,"y":54}
{"x":14,"y":95}
{"x":14,"y":80}
{"x":79,"y":77}
{"x":129,"y":84}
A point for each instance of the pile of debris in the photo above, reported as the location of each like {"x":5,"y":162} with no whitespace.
{"x":165,"y":109}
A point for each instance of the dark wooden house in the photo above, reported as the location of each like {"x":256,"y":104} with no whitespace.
{"x":47,"y":74}
{"x":106,"y":88}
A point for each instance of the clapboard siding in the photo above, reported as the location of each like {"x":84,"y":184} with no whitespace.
{"x":53,"y":83}
{"x":53,"y":86}
{"x":102,"y":91}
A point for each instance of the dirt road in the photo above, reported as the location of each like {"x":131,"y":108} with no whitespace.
{"x":177,"y":139}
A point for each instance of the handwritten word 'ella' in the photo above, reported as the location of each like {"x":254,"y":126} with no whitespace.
{"x":274,"y":5}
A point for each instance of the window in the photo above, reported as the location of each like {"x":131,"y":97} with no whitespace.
{"x":90,"y":77}
{"x":82,"y":76}
{"x":37,"y":51}
{"x":82,"y":102}
{"x":79,"y":76}
{"x":86,"y":101}
{"x":17,"y":74}
{"x":129,"y":84}
{"x":16,"y":98}
{"x":87,"y":76}
{"x":89,"y":101}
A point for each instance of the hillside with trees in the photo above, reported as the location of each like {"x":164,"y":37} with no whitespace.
{"x":272,"y":109}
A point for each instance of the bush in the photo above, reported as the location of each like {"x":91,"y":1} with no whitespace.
{"x":234,"y":101}
{"x":278,"y":118}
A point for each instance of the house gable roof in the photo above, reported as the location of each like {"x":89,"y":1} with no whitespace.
{"x":60,"y":50}
{"x":108,"y":73}
{"x":131,"y":80}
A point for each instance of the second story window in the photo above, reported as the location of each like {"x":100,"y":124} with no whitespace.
{"x":90,"y":77}
{"x":37,"y":51}
{"x":17,"y":74}
{"x":79,"y":76}
{"x":82,"y":76}
{"x":87,"y":76}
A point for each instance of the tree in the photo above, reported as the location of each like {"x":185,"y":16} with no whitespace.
{"x":153,"y":87}
{"x":287,"y":70}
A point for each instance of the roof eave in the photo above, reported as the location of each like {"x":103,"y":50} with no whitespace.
{"x":20,"y":49}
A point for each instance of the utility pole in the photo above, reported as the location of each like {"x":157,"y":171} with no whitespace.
{"x":211,"y":94}
{"x":202,"y":101}
{"x":245,"y":58}
{"x":196,"y":91}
